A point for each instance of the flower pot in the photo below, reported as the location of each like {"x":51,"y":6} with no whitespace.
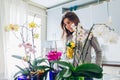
{"x":22,"y":77}
{"x":33,"y":77}
{"x":52,"y":75}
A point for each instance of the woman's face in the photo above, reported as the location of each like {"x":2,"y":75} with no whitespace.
{"x":68,"y":24}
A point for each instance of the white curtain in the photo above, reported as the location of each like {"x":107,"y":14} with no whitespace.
{"x":11,"y":11}
{"x":15,"y":12}
{"x":4,"y":8}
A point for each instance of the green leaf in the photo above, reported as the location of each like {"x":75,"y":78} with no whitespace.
{"x":60,"y":74}
{"x":89,"y":67}
{"x":43,"y":67}
{"x":88,"y":74}
{"x":23,"y":71}
{"x":38,"y":61}
{"x":65,"y":64}
{"x":67,"y":73}
{"x":15,"y":75}
{"x":20,"y":68}
{"x":95,"y":75}
{"x":81,"y":78}
{"x":16,"y":56}
{"x":81,"y":74}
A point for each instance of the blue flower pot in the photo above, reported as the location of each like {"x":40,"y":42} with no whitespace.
{"x":52,"y":75}
{"x":22,"y":77}
{"x":34,"y":77}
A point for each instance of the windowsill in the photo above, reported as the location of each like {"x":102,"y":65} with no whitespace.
{"x":111,"y":63}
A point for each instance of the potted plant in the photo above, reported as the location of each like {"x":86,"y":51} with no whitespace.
{"x":27,"y":34}
{"x":69,"y":71}
{"x":53,"y":55}
{"x":34,"y":71}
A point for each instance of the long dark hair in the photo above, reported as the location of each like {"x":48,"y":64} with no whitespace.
{"x":72,"y":17}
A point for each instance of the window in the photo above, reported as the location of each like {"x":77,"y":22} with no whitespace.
{"x":37,"y":42}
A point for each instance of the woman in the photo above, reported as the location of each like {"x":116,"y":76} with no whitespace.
{"x":68,"y":20}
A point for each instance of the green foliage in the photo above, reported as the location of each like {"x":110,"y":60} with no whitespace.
{"x":89,"y":67}
{"x":64,"y":64}
{"x":23,"y":71}
{"x":16,"y":56}
{"x":38,"y":61}
{"x":34,"y":66}
{"x":69,"y":72}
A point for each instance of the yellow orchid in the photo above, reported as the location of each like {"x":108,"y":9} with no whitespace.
{"x":11,"y":27}
{"x":32,"y":25}
{"x":36,"y":36}
{"x":70,"y":52}
{"x":72,"y":44}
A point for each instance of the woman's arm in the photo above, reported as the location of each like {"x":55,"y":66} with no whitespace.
{"x":96,"y":46}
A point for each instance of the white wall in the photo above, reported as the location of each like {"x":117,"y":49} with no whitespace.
{"x":88,"y":16}
{"x":115,"y":14}
{"x":53,"y":24}
{"x":112,"y":53}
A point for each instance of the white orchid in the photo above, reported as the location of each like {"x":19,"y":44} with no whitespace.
{"x":100,"y":30}
{"x":81,"y":33}
{"x":105,"y":32}
{"x":110,"y":37}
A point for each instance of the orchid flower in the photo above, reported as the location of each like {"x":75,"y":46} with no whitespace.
{"x":54,"y":55}
{"x":32,"y":25}
{"x":111,"y":37}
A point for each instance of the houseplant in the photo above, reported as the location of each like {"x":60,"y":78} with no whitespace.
{"x":27,"y":34}
{"x":53,"y":55}
{"x":67,"y":72}
{"x":35,"y":70}
{"x":71,"y":72}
